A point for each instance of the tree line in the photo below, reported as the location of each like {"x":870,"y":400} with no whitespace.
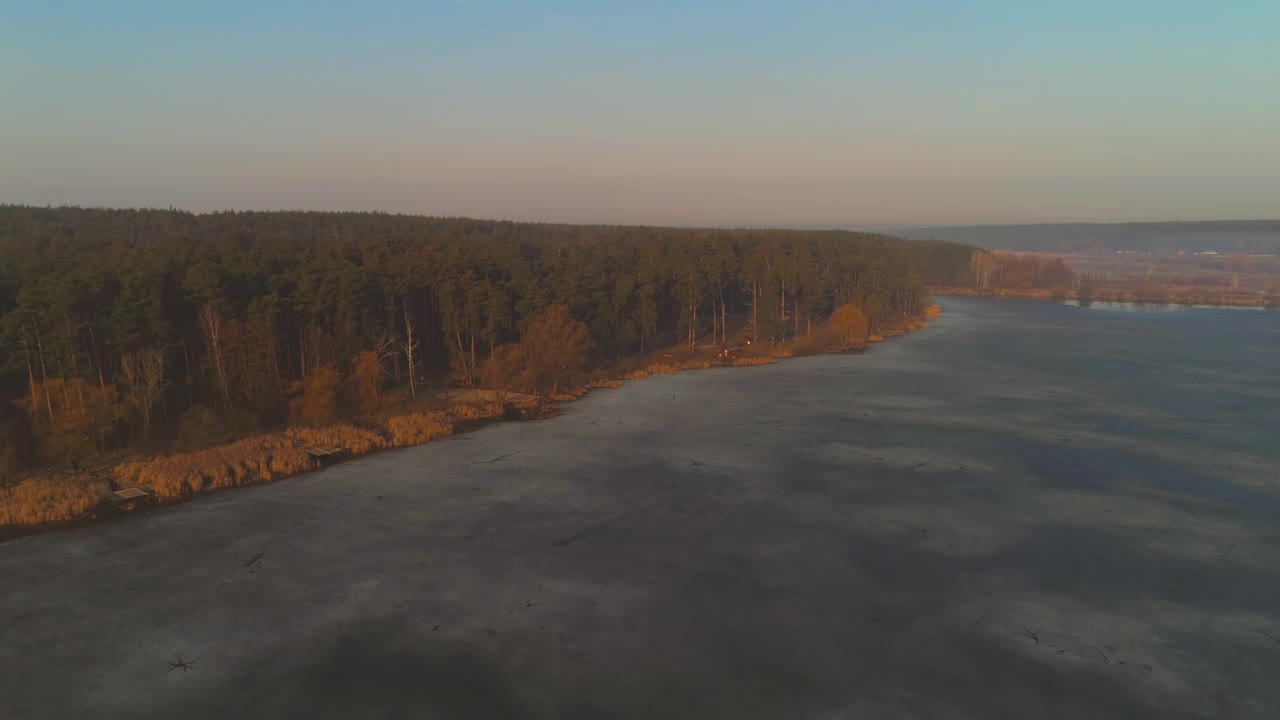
{"x":120,"y":327}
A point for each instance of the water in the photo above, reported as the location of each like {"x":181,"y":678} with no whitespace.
{"x":1026,"y":510}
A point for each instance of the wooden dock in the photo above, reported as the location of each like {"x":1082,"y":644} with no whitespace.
{"x":127,"y":497}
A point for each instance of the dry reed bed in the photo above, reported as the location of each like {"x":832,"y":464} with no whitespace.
{"x":666,"y":369}
{"x":536,"y":409}
{"x":253,"y":460}
{"x":263,"y":458}
{"x":271,"y":457}
{"x":750,"y":361}
{"x":418,"y":428}
{"x":39,"y":500}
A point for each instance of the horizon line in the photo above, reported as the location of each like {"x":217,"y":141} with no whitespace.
{"x":852,"y":227}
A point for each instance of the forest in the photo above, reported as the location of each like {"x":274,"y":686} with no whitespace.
{"x":154,"y":331}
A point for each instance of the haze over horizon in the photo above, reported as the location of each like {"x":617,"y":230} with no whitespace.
{"x":747,"y":113}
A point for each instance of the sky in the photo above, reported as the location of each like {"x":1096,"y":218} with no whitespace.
{"x":673,"y":113}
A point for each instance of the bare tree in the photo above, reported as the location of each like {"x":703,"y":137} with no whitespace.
{"x":410,"y":345}
{"x":31,"y":377}
{"x":755,"y":304}
{"x":143,"y":374}
{"x":724,"y":328}
{"x":693,"y":314}
{"x":211,"y":325}
{"x":985,"y":266}
{"x":364,"y":383}
{"x":385,"y":347}
{"x":44,"y":374}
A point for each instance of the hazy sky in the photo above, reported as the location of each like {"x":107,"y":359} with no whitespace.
{"x":717,"y":112}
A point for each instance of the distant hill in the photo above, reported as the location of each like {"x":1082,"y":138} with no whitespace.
{"x":1258,"y":237}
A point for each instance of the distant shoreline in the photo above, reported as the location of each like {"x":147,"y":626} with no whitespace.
{"x":1126,"y":296}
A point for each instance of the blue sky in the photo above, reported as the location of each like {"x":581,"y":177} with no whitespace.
{"x":761,"y":113}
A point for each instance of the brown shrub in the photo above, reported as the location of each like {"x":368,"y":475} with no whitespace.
{"x":604,"y":383}
{"x":636,"y":375}
{"x":850,"y":327}
{"x":49,"y":499}
{"x":932,"y":311}
{"x":363,"y":388}
{"x":317,"y":401}
{"x":555,"y":348}
{"x":418,"y":428}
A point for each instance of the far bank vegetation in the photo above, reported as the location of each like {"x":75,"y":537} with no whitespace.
{"x":1228,"y":280}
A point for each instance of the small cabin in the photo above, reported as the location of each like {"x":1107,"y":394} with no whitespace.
{"x":729,"y":352}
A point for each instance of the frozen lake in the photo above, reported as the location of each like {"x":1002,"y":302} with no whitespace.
{"x":1025,"y":511}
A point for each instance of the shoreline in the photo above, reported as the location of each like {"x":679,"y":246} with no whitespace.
{"x":527,"y":411}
